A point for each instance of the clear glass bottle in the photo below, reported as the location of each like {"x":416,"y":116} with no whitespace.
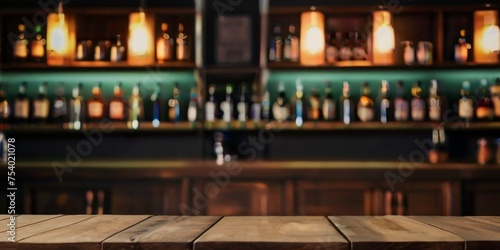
{"x":401,"y":104}
{"x":136,"y":108}
{"x":174,"y":110}
{"x":41,"y":105}
{"x":358,"y":51}
{"x":227,"y":105}
{"x":21,"y":45}
{"x":462,"y":48}
{"x":192,"y":113}
{"x":210,"y":104}
{"x":365,"y":108}
{"x":4,"y":106}
{"x":164,"y":45}
{"x":383,"y":103}
{"x":331,"y":51}
{"x":495,"y":97}
{"x":256,"y":107}
{"x":281,"y":108}
{"x":485,"y":110}
{"x":291,"y":47}
{"x":266,"y":107}
{"x":242,"y":106}
{"x":59,"y":107}
{"x":435,"y":102}
{"x":328,"y":104}
{"x":465,"y":104}
{"x":95,"y":105}
{"x":157,"y":106}
{"x":183,"y":45}
{"x":38,"y":45}
{"x":345,"y":51}
{"x":76,"y":109}
{"x":347,"y":109}
{"x":276,"y":45}
{"x":22,"y":105}
{"x":118,"y":50}
{"x":117,"y":104}
{"x":417,"y":103}
{"x":299,"y":104}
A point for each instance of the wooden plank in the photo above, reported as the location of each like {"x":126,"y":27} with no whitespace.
{"x":26,"y":231}
{"x":162,"y":232}
{"x":488,"y":218}
{"x":478,"y":235}
{"x":29,"y":219}
{"x":394,"y":232}
{"x":272,"y":232}
{"x":5,"y":216}
{"x":87,"y":234}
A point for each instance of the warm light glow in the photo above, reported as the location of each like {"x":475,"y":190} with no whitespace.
{"x":491,"y":39}
{"x":486,"y":36}
{"x":57,"y":38}
{"x":139,"y":36}
{"x":140,"y":39}
{"x":312,"y":38}
{"x":383,"y":38}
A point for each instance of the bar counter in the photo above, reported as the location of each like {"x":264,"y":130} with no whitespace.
{"x":92,"y":232}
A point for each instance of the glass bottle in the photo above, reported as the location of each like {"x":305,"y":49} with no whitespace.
{"x":331,"y":51}
{"x":365,"y":109}
{"x":409,"y":52}
{"x":346,"y":105}
{"x":465,"y":104}
{"x":164,"y":45}
{"x":95,"y":105}
{"x":358,"y":51}
{"x":281,"y":108}
{"x":266,"y":107}
{"x":227,"y":105}
{"x":314,"y":111}
{"x":183,"y":45}
{"x":242,"y":106}
{"x":401,"y":104}
{"x":136,"y":108}
{"x":383,"y":103}
{"x":435,"y":102}
{"x":60,"y":108}
{"x":461,"y":48}
{"x":417,"y":103}
{"x":495,"y":97}
{"x":117,"y":104}
{"x":21,"y":105}
{"x":299,"y":104}
{"x":192,"y":112}
{"x":174,"y":112}
{"x":345,"y":51}
{"x":210,"y":104}
{"x":76,"y":109}
{"x":485,"y":105}
{"x":276,"y":45}
{"x":328,"y":104}
{"x":21,"y":45}
{"x":38,"y":45}
{"x":117,"y":50}
{"x":291,"y":47}
{"x":41,"y":105}
{"x":156,"y":100}
{"x":256,"y":107}
{"x":4,"y":106}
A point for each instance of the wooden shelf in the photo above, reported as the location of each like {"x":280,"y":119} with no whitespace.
{"x":99,"y":65}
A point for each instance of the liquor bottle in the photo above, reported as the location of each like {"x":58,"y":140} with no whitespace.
{"x":281,"y":108}
{"x":299,"y":104}
{"x":192,"y":113}
{"x":59,"y":108}
{"x":210,"y":105}
{"x":358,"y":51}
{"x":314,"y":110}
{"x":41,"y":105}
{"x":227,"y":105}
{"x":38,"y":45}
{"x":485,"y":109}
{"x":117,"y":104}
{"x":21,"y":105}
{"x":76,"y":109}
{"x":174,"y":112}
{"x":183,"y":45}
{"x":328,"y":104}
{"x":365,"y":109}
{"x":345,"y":51}
{"x":383,"y":103}
{"x":21,"y":45}
{"x":4,"y":106}
{"x":256,"y":107}
{"x":461,"y":48}
{"x":276,"y":45}
{"x":95,"y":105}
{"x":136,"y":108}
{"x":266,"y":107}
{"x":117,"y":50}
{"x":155,"y":99}
{"x":401,"y":104}
{"x":495,"y":98}
{"x":346,"y":105}
{"x":242,"y":106}
{"x":417,"y":103}
{"x":465,"y":104}
{"x":331,"y":52}
{"x":291,"y":47}
{"x":435,"y":102}
{"x":438,"y":152}
{"x":164,"y":45}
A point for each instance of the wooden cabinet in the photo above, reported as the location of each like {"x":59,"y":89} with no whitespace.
{"x":481,"y":198}
{"x":55,"y":200}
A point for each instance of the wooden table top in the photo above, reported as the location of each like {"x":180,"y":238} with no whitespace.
{"x":250,"y":232}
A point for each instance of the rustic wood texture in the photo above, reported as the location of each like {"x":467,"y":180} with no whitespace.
{"x":270,"y":232}
{"x":478,"y":235}
{"x":394,"y":232}
{"x":5,"y":217}
{"x":85,"y":235}
{"x":24,"y":231}
{"x":162,"y":232}
{"x":488,"y":218}
{"x":25,"y":220}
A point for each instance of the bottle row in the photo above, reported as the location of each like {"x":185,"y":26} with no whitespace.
{"x":248,"y":105}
